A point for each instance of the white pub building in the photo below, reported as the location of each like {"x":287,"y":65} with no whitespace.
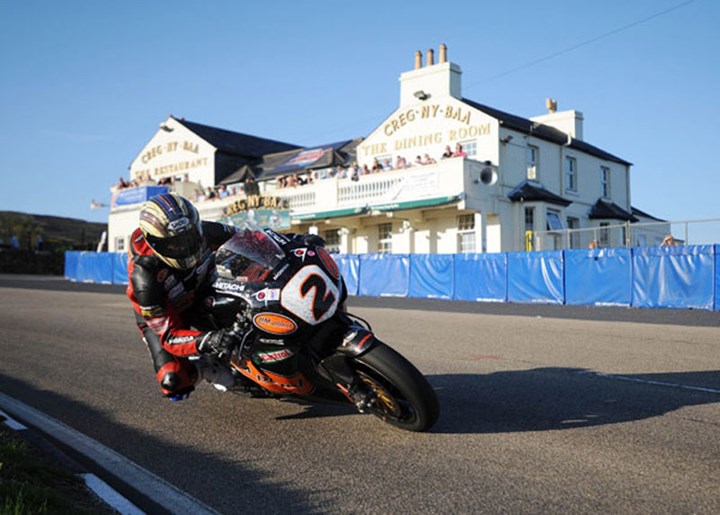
{"x":514,"y":178}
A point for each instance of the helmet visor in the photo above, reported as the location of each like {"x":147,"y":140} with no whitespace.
{"x":179,"y":246}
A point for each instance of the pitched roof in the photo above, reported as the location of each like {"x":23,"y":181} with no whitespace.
{"x":643,"y":214}
{"x":604,"y":209}
{"x":542,"y":131}
{"x":534,"y":191}
{"x":235,"y":143}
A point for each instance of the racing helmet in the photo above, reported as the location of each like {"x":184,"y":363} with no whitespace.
{"x":171,"y":226}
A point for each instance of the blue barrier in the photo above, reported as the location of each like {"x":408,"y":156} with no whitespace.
{"x":535,"y":277}
{"x":119,"y":268}
{"x":384,"y":275}
{"x":674,"y":277}
{"x":431,"y":276}
{"x":349,"y":265}
{"x":686,"y":277}
{"x":95,"y":267}
{"x":480,"y":277}
{"x":717,"y":277}
{"x":600,"y":277}
{"x":72,"y":257}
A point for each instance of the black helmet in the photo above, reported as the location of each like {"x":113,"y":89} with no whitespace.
{"x":171,"y":226}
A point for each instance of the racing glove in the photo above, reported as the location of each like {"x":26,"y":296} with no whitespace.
{"x":218,"y":343}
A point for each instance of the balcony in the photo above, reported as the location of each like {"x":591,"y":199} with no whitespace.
{"x":447,"y":181}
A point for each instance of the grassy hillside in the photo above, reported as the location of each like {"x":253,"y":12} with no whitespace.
{"x":58,"y":233}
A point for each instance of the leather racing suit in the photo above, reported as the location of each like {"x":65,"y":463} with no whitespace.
{"x":162,"y":298}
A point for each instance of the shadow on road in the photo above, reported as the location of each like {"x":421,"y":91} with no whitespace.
{"x":200,"y":470}
{"x":563,"y":398}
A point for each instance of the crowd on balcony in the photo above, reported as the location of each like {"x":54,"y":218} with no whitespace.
{"x":355,"y":171}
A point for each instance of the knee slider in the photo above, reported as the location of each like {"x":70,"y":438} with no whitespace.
{"x":170,"y":381}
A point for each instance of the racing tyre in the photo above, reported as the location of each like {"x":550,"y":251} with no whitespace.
{"x":401,"y":395}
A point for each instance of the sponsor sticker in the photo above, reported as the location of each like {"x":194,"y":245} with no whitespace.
{"x":274,"y":324}
{"x":162,"y":275}
{"x":275,"y":356}
{"x":268,"y":294}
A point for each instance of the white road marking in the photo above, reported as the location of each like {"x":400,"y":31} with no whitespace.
{"x":651,"y":381}
{"x":141,"y":480}
{"x":110,"y":496}
{"x":11,"y":422}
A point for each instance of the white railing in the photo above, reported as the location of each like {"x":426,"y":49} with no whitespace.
{"x":371,"y":188}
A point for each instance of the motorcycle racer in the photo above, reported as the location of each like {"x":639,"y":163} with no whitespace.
{"x":171,"y":259}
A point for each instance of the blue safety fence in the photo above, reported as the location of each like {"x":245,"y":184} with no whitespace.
{"x":349,"y":265}
{"x":674,"y":277}
{"x":599,"y":277}
{"x":685,"y":277}
{"x":535,"y":277}
{"x":480,"y":277}
{"x":431,"y":276}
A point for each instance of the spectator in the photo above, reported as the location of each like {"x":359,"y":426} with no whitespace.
{"x":387,"y":165}
{"x":400,"y":163}
{"x":448,"y":152}
{"x":223,"y":191}
{"x":669,"y":241}
{"x":459,"y":152}
{"x":418,"y":160}
{"x":427,"y":160}
{"x":14,"y":242}
{"x":365,"y":170}
{"x":355,"y":174}
{"x":376,"y":167}
{"x":251,"y":187}
{"x":593,"y":244}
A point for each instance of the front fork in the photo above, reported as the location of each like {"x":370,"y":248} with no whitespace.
{"x":355,"y":341}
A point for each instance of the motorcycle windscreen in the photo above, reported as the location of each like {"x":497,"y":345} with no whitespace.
{"x":249,"y":256}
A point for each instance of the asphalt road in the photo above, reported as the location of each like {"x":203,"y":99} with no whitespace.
{"x":545,"y":409}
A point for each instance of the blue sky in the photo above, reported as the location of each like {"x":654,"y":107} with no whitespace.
{"x":84,"y":84}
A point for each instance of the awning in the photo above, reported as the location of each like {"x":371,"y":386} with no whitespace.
{"x":414,"y":204}
{"x":335,"y":213}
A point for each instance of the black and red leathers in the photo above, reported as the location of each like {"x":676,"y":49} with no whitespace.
{"x":161,"y":297}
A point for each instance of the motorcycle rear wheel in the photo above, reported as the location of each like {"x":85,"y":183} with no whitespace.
{"x":402,"y":395}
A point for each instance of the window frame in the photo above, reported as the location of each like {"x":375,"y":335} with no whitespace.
{"x":532,"y":162}
{"x":571,"y":174}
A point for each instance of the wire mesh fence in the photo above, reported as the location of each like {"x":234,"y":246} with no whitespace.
{"x":646,"y":234}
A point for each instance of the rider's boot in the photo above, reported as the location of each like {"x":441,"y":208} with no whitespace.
{"x":214,"y":372}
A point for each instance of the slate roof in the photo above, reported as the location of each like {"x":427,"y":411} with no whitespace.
{"x":603,"y":209}
{"x":542,"y":131}
{"x":534,"y":191}
{"x":637,"y":212}
{"x":235,"y":143}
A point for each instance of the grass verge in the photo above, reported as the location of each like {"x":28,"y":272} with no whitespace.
{"x":33,"y":482}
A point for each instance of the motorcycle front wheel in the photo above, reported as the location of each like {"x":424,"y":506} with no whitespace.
{"x":401,"y":396}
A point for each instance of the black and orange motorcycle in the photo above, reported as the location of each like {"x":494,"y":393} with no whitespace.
{"x":286,"y":297}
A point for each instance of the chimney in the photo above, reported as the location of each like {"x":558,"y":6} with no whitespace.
{"x":569,"y":122}
{"x":443,"y":53}
{"x":433,"y":81}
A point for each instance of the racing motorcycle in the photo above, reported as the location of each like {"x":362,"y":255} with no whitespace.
{"x":284,"y":297}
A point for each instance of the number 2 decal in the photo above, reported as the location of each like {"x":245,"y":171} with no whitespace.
{"x":310,"y":295}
